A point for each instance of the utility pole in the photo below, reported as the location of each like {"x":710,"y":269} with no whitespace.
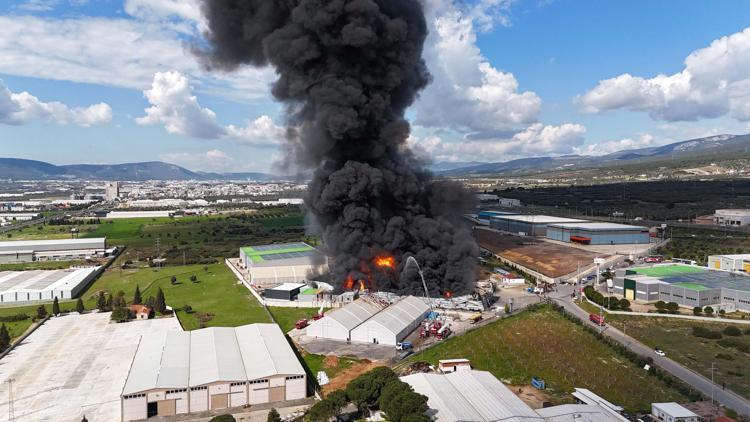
{"x":712,"y":383}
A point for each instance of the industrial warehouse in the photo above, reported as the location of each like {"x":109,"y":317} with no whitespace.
{"x":528,"y":225}
{"x":53,"y":250}
{"x":688,"y":286}
{"x":368,"y":321}
{"x":280,"y":263}
{"x":181,"y":372}
{"x":27,"y":286}
{"x":590,"y":233}
{"x":736,"y":262}
{"x":470,"y":395}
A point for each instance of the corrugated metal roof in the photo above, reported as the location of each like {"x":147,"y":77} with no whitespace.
{"x":182,"y":359}
{"x":354,"y":314}
{"x":675,"y":410}
{"x":401,"y":314}
{"x":470,"y":396}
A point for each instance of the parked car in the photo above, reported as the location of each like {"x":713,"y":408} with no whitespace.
{"x":660,"y":352}
{"x":406,"y":345}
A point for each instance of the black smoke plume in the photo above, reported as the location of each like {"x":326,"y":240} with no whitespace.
{"x":347,"y":72}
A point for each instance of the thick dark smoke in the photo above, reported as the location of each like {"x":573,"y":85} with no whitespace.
{"x":347,"y":71}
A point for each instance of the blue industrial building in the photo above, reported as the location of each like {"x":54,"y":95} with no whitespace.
{"x":598,"y":233}
{"x":488,"y":215}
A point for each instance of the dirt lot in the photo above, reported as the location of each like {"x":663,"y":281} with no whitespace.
{"x":343,"y":379}
{"x":549,"y":259}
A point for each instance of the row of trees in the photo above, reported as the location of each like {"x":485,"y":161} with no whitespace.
{"x":378,"y":389}
{"x":667,"y":307}
{"x":610,"y":302}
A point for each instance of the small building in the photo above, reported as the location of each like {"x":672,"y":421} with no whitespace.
{"x":528,"y":225}
{"x":687,"y":285}
{"x":732,"y":217}
{"x":140,"y":311}
{"x":737,"y":262}
{"x":598,"y":233}
{"x":183,"y":372}
{"x":453,"y":365}
{"x":274,"y":264}
{"x":393,"y":324}
{"x":339,"y":323}
{"x":672,"y":412}
{"x":509,"y":202}
{"x":286,"y":291}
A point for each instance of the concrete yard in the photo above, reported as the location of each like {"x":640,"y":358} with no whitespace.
{"x":73,"y":366}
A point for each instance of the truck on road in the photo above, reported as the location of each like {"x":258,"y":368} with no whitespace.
{"x":597,"y":319}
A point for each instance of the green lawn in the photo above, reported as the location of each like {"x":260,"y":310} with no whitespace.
{"x":48,"y":231}
{"x":18,"y":327}
{"x":675,"y":337}
{"x":543,"y":343}
{"x":216,"y":293}
{"x":287,"y":317}
{"x":315,"y":363}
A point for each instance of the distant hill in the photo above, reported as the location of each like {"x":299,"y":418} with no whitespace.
{"x":15,"y":168}
{"x":712,"y":146}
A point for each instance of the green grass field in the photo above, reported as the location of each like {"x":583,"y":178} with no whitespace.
{"x":543,"y":343}
{"x":17,"y":328}
{"x":675,"y":337}
{"x":216,"y":294}
{"x":287,"y":317}
{"x":666,"y":270}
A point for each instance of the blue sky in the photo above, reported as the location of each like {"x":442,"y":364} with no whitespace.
{"x":511,"y":79}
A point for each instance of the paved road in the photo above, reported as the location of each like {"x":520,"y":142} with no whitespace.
{"x":697,"y":381}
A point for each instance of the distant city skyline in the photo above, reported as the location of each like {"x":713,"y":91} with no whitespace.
{"x":113,"y":82}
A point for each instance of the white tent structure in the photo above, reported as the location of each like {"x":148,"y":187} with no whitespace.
{"x":183,"y":372}
{"x":393,"y":324}
{"x":338,"y":324}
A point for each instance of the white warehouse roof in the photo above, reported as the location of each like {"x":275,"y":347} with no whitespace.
{"x":537,"y":219}
{"x":354,"y":314}
{"x":401,"y":314}
{"x":192,"y":358}
{"x":597,"y":226}
{"x":53,"y":244}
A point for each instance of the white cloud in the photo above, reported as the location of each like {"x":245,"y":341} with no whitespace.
{"x":607,"y":147}
{"x":38,"y":5}
{"x":21,"y":108}
{"x":468,"y":93}
{"x":174,"y":106}
{"x":211,"y":160}
{"x":181,"y":15}
{"x":537,"y":139}
{"x":121,"y":52}
{"x":714,"y":82}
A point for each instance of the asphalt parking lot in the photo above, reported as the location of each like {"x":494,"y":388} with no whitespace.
{"x":322,"y":346}
{"x":72,"y":366}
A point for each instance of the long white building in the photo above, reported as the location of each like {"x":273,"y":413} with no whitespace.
{"x":30,"y":286}
{"x":52,"y":249}
{"x":367,"y":320}
{"x":181,"y":372}
{"x":732,"y":217}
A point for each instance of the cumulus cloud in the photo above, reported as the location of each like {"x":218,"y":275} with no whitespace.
{"x":21,"y":108}
{"x":468,"y":93}
{"x":537,"y":139}
{"x":122,"y":52}
{"x":174,"y":106}
{"x":714,"y":82}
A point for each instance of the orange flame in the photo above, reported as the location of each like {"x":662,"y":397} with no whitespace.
{"x":362,"y":286}
{"x":448,"y":294}
{"x":385,"y":262}
{"x":349,"y":283}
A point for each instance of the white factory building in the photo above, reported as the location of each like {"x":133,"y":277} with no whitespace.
{"x":367,"y":320}
{"x":393,"y":323}
{"x":29,"y":286}
{"x":732,"y":217}
{"x":182,"y":372}
{"x":736,"y":262}
{"x":471,"y":395}
{"x":270,"y":265}
{"x":52,"y":250}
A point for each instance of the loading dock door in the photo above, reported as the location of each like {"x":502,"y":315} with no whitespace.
{"x":219,"y":401}
{"x":277,"y":393}
{"x":151,"y":409}
{"x":167,"y":407}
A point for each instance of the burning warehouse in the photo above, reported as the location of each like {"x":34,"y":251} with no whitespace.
{"x":347,"y":72}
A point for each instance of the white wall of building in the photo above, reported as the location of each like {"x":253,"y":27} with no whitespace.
{"x":374,"y":333}
{"x":328,"y":328}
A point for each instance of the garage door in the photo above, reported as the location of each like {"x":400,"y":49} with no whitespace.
{"x":277,"y":393}
{"x":219,"y":401}
{"x":166,"y":407}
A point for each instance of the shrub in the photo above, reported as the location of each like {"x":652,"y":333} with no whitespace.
{"x":120,"y":314}
{"x":704,"y":332}
{"x":725,"y":356}
{"x":732,"y":331}
{"x":735,"y":343}
{"x":223,"y":418}
{"x":697,"y":311}
{"x":14,"y":318}
{"x":708,"y":310}
{"x":193,"y":278}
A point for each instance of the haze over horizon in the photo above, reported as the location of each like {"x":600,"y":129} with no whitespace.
{"x":496,"y":94}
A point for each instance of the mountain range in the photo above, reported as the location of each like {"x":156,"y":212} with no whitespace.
{"x":712,"y":147}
